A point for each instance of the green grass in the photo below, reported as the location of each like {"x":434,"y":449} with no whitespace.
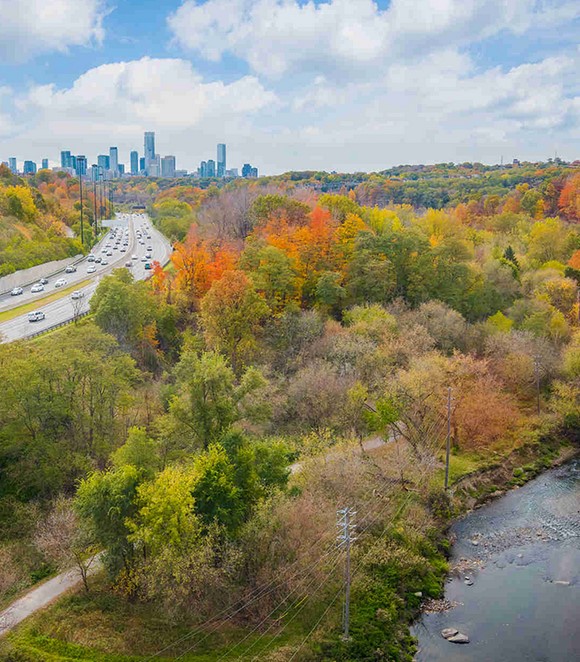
{"x":105,"y":627}
{"x":8,"y":315}
{"x":460,"y":465}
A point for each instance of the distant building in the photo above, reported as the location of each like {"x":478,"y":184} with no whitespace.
{"x":73,"y":162}
{"x":114,"y":161}
{"x":12,"y":164}
{"x":121,"y":168}
{"x":249,"y":171}
{"x":221,"y":160}
{"x":168,"y":166}
{"x":211,"y":168}
{"x":45,"y":164}
{"x":134,"y":163}
{"x":29,"y":168}
{"x":203,"y":169}
{"x":150,"y":156}
{"x":81,"y":164}
{"x":232,"y":172}
{"x":104,"y":162}
{"x":142,"y":164}
{"x":181,"y":173}
{"x":153,"y":167}
{"x":149,"y":145}
{"x":65,"y":159}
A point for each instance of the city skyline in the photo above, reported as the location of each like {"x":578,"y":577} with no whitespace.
{"x":151,"y":164}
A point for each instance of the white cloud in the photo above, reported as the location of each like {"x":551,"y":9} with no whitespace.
{"x":440,"y":108}
{"x":349,"y":37}
{"x":31,"y":27}
{"x":114,"y":103}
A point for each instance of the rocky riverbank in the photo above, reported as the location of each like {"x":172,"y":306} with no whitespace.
{"x":513,"y":589}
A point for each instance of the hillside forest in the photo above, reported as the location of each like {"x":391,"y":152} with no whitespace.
{"x":40,"y":218}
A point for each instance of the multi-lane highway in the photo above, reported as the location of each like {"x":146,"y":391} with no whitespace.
{"x":140,"y":235}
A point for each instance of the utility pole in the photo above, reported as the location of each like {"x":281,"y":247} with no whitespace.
{"x":345,"y":538}
{"x":81,"y":193}
{"x":537,"y":375}
{"x":95,"y":175}
{"x":103,"y":209}
{"x":448,"y":445}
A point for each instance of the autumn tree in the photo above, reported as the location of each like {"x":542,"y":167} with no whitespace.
{"x":232,"y":313}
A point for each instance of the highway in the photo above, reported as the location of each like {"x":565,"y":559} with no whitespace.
{"x":64,"y":308}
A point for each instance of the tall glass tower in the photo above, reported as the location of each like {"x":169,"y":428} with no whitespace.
{"x":149,"y":146}
{"x":221,"y":160}
{"x":134,"y":163}
{"x":114,"y":160}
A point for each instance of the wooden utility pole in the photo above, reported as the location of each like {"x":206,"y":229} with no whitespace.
{"x":537,"y":375}
{"x":448,"y":445}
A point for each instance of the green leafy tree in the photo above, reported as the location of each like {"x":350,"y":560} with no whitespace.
{"x":209,"y":399}
{"x":106,"y":503}
{"x":139,"y":451}
{"x":165,"y":513}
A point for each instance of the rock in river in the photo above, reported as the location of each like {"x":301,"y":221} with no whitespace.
{"x":459,"y":638}
{"x":449,"y":632}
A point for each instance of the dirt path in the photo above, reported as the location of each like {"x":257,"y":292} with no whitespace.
{"x":368,"y":445}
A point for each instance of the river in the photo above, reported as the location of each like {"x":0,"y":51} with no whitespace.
{"x":515,"y":578}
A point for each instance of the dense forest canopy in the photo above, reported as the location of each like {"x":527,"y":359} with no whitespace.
{"x":291,"y":325}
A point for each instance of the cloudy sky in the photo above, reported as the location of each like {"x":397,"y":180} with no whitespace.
{"x":292,"y":84}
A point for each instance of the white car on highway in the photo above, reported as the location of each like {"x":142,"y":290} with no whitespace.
{"x":91,"y":269}
{"x":70,"y":269}
{"x":61,"y":282}
{"x":77,"y":294}
{"x":16,"y":291}
{"x":36,"y":316}
{"x":37,"y":287}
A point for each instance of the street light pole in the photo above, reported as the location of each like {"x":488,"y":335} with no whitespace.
{"x":95,"y":175}
{"x":81,"y":195}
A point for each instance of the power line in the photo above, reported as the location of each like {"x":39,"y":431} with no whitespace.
{"x":399,"y":510}
{"x":262,"y":592}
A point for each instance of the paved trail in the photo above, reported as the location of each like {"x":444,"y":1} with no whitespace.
{"x":46,"y":593}
{"x":40,"y":597}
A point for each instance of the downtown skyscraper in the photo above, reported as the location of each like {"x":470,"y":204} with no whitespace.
{"x":221,"y":160}
{"x":134,"y":162}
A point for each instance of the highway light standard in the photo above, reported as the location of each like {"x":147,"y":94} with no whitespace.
{"x":81,"y":195}
{"x":95,"y":172}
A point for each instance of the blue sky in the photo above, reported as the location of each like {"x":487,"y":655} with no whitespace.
{"x":292,"y":84}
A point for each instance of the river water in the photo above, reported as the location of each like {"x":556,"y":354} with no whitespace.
{"x":522,"y":555}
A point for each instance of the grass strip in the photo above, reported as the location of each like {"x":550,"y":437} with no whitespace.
{"x":8,"y":315}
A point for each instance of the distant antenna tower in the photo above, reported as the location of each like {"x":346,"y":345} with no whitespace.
{"x":501,"y":161}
